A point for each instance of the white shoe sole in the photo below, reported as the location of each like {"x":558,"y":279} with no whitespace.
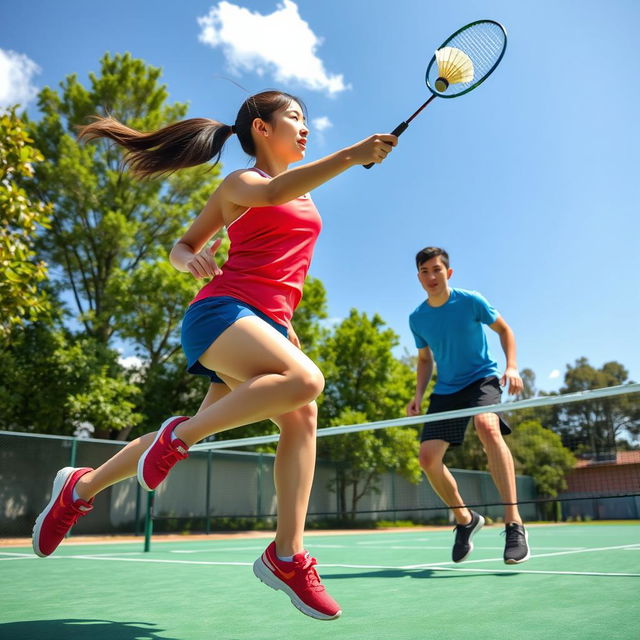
{"x":526,"y":537}
{"x":263,"y":574}
{"x":143,"y":457}
{"x":58,"y":485}
{"x":475,"y":530}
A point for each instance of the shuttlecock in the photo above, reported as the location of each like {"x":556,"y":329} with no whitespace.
{"x":453,"y":66}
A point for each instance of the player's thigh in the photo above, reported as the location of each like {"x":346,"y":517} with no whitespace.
{"x":487,"y":426}
{"x":251,"y":347}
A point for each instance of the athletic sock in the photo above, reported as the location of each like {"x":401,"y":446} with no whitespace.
{"x":285,"y":558}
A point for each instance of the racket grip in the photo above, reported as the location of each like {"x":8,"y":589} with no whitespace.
{"x":399,"y":130}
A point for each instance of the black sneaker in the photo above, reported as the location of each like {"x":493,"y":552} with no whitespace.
{"x":463,"y":546}
{"x":516,"y":547}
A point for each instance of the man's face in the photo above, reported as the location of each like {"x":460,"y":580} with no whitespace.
{"x":434,"y":276}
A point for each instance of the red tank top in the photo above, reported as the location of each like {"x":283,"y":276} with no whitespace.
{"x":269,"y":257}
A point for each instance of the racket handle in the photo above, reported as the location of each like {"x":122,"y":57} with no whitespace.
{"x":399,"y":130}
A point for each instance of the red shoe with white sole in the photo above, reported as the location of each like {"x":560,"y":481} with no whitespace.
{"x":156,"y":462}
{"x":299,"y":580}
{"x":62,"y":512}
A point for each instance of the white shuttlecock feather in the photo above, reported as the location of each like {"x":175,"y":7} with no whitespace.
{"x":454,"y":66}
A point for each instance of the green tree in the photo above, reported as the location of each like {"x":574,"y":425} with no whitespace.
{"x":363,"y":456}
{"x":51,"y":379}
{"x":106,"y":224}
{"x":364,"y":383}
{"x":110,"y":233}
{"x":21,"y":217}
{"x":597,"y":427}
{"x":539,"y":452}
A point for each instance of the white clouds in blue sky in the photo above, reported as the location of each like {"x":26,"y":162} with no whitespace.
{"x":554,"y":374}
{"x":322,"y":123}
{"x":280,"y":43}
{"x":16,"y":74}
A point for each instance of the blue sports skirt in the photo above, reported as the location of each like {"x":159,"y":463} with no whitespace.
{"x":206,"y":319}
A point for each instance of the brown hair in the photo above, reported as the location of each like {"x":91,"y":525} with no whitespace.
{"x":432,"y":252}
{"x":189,"y":142}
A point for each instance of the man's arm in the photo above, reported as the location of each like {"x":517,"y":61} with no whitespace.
{"x":424,"y":373}
{"x":511,"y":375}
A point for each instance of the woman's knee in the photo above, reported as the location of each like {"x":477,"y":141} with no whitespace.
{"x":304,"y":385}
{"x":303,"y":419}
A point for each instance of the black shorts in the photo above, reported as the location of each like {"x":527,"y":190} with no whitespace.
{"x":480,"y":393}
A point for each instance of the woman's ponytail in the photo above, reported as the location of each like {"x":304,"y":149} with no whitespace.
{"x":183,"y":144}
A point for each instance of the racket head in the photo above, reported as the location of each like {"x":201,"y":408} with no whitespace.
{"x":484,"y":42}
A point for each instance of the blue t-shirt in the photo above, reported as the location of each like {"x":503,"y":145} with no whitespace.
{"x":455,"y":335}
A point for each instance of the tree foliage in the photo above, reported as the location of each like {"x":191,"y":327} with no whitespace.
{"x":365,"y":383}
{"x":21,"y":270}
{"x":595,"y":428}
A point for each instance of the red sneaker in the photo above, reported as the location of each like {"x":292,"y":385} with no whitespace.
{"x":299,"y":580}
{"x":61,"y":513}
{"x":156,"y":462}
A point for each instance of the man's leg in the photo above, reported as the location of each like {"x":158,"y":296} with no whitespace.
{"x":443,"y":483}
{"x":516,"y":548}
{"x":500,"y":463}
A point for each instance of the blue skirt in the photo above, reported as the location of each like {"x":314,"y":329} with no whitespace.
{"x":206,"y":319}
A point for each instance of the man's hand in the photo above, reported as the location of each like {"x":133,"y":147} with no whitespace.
{"x":511,"y":377}
{"x":414,"y":407}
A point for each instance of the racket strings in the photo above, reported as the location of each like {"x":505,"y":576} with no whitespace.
{"x":484,"y":44}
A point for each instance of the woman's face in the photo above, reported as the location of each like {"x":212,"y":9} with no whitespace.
{"x":286,"y":134}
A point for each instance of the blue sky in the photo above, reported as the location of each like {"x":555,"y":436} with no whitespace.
{"x":530,"y":182}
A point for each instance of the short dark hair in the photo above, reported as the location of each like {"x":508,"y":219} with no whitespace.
{"x":432,"y":252}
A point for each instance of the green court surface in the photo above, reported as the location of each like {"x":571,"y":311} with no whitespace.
{"x":583,"y":581}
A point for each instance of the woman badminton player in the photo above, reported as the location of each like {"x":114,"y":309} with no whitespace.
{"x":235,"y":330}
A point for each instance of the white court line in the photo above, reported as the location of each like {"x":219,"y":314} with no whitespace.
{"x":216,"y":549}
{"x":346,"y":566}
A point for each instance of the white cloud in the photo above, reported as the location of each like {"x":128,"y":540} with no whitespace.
{"x":554,"y":374}
{"x":130,"y":362}
{"x":280,"y":43}
{"x":322,"y":123}
{"x":16,"y":72}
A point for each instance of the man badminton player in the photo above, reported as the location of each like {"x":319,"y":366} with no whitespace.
{"x":447,"y":327}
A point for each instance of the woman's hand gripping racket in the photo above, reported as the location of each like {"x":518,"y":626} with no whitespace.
{"x":461,"y":63}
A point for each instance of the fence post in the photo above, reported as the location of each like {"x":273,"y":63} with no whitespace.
{"x":259,"y":488}
{"x":393,"y":496}
{"x":207,"y":527}
{"x":74,"y":452}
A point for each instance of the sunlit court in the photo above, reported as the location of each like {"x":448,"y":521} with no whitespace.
{"x":582,"y":579}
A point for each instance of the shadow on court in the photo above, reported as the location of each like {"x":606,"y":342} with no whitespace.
{"x":415,"y":573}
{"x":80,"y":629}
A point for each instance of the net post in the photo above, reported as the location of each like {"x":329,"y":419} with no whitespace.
{"x":73,"y":456}
{"x":136,"y":526}
{"x":148,"y":522}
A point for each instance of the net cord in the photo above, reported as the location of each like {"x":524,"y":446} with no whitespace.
{"x":542,"y":401}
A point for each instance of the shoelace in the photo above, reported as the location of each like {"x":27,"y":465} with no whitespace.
{"x":311,"y":575}
{"x":168,"y":459}
{"x":69,"y":516}
{"x":513,"y":535}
